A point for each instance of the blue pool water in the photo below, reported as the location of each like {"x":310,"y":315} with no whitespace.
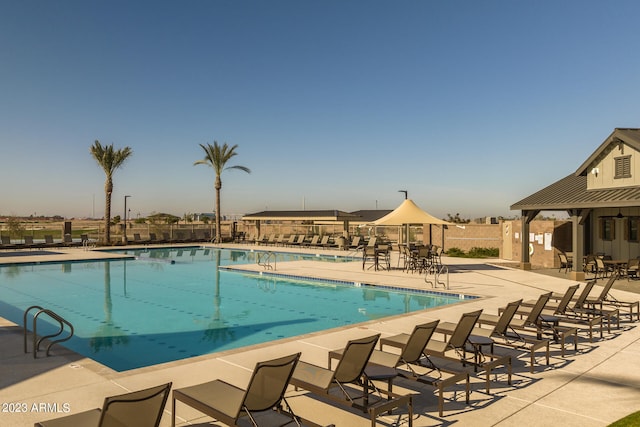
{"x":165,"y":306}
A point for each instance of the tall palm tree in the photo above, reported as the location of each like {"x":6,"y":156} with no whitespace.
{"x":217,"y":157}
{"x":109,"y":160}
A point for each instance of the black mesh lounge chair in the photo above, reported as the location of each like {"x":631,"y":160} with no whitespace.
{"x":48,"y":241}
{"x":566,"y":314}
{"x":409,"y":364}
{"x":29,"y":243}
{"x":228,"y":403}
{"x":6,"y":243}
{"x":534,"y":323}
{"x":605,"y":298}
{"x":351,"y":370}
{"x":141,"y":408}
{"x":459,"y":342}
{"x":503,"y":335}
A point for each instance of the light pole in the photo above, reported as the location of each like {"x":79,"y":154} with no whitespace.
{"x":124,"y":228}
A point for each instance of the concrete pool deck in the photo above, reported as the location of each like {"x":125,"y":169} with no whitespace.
{"x":594,"y":387}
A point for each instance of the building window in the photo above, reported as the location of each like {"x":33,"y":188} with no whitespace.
{"x":607,"y":229}
{"x":623,"y":167}
{"x":632,"y":229}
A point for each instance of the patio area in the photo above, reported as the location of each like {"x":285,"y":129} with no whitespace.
{"x":595,"y":386}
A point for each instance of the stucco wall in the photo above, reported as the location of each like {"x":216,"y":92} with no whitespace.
{"x":465,"y":236}
{"x":547,"y":238}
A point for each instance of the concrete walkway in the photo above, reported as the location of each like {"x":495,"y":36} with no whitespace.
{"x":592,"y":387}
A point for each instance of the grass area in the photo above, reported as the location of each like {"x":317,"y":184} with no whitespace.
{"x":628,"y":421}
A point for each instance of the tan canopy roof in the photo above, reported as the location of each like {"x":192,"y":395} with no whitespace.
{"x":409,"y":213}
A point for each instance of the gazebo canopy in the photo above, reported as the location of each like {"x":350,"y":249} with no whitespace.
{"x":409,"y":213}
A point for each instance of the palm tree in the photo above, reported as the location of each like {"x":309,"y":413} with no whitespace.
{"x":109,"y":160}
{"x":217,"y":157}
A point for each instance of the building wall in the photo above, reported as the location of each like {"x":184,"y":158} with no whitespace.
{"x":601,"y":175}
{"x":621,"y":247}
{"x":465,"y":236}
{"x":547,"y":238}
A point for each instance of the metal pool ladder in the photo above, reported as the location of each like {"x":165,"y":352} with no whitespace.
{"x":36,"y":342}
{"x":433,"y":275}
{"x":264,"y":259}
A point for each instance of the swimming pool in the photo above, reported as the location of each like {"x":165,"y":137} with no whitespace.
{"x":134,"y":313}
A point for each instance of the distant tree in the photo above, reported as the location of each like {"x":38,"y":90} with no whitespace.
{"x":217,"y":157}
{"x":109,"y":159}
{"x":15,"y":227}
{"x":456,"y":219}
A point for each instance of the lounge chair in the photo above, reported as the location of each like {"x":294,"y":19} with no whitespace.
{"x":410,"y":358}
{"x":228,"y":403}
{"x":460,"y":340}
{"x":324,"y":242}
{"x":290,"y":241}
{"x":141,"y":408}
{"x":299,"y":241}
{"x":572,"y":315}
{"x":355,"y":243}
{"x":503,"y":335}
{"x":28,"y":243}
{"x":351,"y":369}
{"x":136,"y":238}
{"x":533,"y":322}
{"x":6,"y":243}
{"x":313,"y":242}
{"x":605,"y":298}
{"x":271,"y":240}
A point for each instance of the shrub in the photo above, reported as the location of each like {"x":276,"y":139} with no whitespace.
{"x":455,"y":252}
{"x":483,"y":252}
{"x":474,"y":253}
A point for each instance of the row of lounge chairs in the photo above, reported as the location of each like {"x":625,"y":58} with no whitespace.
{"x":302,"y":240}
{"x":48,"y":242}
{"x":418,"y":356}
{"x":178,"y":236}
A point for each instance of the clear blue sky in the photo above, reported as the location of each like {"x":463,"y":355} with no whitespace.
{"x":469,"y":105}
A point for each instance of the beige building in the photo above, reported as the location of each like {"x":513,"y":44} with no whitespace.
{"x":602,"y":198}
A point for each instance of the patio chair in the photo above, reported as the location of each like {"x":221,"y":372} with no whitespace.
{"x":141,"y":408}
{"x":565,"y":262}
{"x":632,"y":268}
{"x":369,"y":256}
{"x":228,"y":403}
{"x":601,"y":268}
{"x":504,"y":335}
{"x":410,"y":358}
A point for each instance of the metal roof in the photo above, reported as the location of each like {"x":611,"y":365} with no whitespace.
{"x":571,"y":191}
{"x":318,"y":215}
